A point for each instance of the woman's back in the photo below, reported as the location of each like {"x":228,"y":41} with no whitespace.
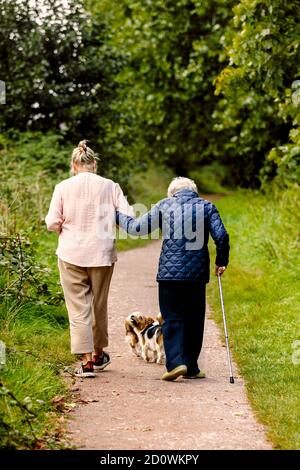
{"x":83,"y":211}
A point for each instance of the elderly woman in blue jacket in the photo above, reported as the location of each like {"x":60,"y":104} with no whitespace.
{"x":185,"y":220}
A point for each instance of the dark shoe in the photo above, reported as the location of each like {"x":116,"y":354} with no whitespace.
{"x":85,"y":370}
{"x":175,"y":373}
{"x":101,"y":362}
{"x":201,"y":375}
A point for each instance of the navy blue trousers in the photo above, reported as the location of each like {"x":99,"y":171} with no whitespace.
{"x":182,"y":305}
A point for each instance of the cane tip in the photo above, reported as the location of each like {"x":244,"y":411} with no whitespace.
{"x":231,"y":380}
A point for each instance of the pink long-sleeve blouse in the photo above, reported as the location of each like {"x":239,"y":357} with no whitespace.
{"x":83,"y":212}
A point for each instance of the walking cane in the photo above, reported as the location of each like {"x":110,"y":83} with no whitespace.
{"x":225,"y":331}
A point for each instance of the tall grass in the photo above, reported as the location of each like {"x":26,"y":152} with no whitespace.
{"x":262,"y":297}
{"x":37,"y":350}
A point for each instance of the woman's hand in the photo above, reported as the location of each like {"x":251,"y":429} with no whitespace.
{"x":219,"y":270}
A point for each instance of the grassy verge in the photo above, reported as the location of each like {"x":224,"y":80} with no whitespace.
{"x":35,"y":332}
{"x":37,"y":343}
{"x":262,"y":297}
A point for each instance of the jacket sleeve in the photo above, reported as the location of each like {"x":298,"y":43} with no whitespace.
{"x":54,"y":218}
{"x":143,"y":225}
{"x":121,"y":203}
{"x":219,"y":235}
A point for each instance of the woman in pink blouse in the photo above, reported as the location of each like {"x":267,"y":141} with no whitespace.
{"x":82,"y":212}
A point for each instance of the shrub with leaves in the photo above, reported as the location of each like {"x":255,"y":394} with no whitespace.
{"x":22,"y":277}
{"x":260,"y":104}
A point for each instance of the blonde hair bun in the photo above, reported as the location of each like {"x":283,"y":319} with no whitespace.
{"x":82,"y":145}
{"x":84,"y":156}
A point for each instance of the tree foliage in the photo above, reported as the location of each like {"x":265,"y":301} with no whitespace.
{"x":182,"y":82}
{"x":48,"y":61}
{"x":261,"y":89}
{"x":59,"y":71}
{"x":166,"y":96}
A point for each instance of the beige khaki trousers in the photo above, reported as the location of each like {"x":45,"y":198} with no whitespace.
{"x":86,"y":293}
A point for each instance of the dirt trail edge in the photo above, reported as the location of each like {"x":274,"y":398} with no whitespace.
{"x":135,"y":409}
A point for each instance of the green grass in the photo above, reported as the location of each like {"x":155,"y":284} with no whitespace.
{"x":211,"y":179}
{"x":262,"y":299}
{"x":37,"y":342}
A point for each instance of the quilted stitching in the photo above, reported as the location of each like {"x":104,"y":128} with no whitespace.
{"x":176,"y":262}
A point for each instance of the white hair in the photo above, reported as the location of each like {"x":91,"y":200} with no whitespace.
{"x":181,"y":183}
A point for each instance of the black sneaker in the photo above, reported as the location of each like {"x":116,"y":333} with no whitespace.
{"x":85,"y":370}
{"x":101,"y":362}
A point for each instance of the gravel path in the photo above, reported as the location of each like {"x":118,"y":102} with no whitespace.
{"x":137,"y":410}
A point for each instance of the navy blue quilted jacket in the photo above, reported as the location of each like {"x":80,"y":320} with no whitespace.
{"x":186,"y":220}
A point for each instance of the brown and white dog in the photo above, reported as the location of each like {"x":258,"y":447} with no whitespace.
{"x":144,"y":336}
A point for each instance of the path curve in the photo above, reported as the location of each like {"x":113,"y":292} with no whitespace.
{"x":135,"y":409}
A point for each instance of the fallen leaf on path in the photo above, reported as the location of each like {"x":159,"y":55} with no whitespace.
{"x":59,"y":403}
{"x":57,"y":399}
{"x":85,"y":402}
{"x":82,"y":400}
{"x":39,"y":445}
